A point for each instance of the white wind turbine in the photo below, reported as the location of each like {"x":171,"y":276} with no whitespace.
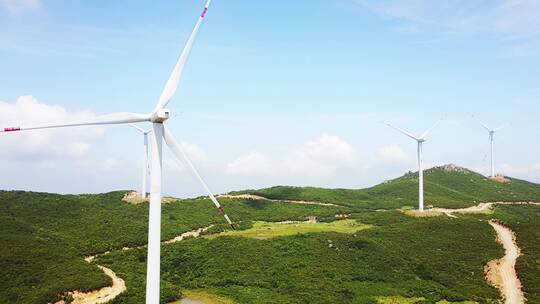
{"x":420,"y":140}
{"x":145,"y":169}
{"x":491,"y":140}
{"x":157,"y":117}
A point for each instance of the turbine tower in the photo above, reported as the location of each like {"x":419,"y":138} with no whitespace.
{"x":491,"y":141}
{"x":159,"y":115}
{"x":419,"y":140}
{"x":145,"y":168}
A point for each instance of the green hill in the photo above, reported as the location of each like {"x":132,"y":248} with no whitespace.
{"x":370,"y":258}
{"x":447,"y":186}
{"x":48,"y":235}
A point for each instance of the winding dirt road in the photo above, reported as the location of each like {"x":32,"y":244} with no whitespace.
{"x":183,"y":236}
{"x":102,"y":295}
{"x":106,"y":294}
{"x":502,"y":273}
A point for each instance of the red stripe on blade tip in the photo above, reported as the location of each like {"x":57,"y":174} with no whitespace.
{"x":12,"y":129}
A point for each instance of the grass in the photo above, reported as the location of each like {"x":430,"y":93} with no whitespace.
{"x":265,"y":230}
{"x":398,"y":256}
{"x":462,"y":302}
{"x":398,"y":300}
{"x":425,"y":213}
{"x":404,"y":300}
{"x":201,"y":296}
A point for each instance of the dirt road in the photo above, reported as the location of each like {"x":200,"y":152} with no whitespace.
{"x":261,"y":198}
{"x":106,"y":294}
{"x":502,"y":273}
{"x":485,"y":208}
{"x":102,"y":295}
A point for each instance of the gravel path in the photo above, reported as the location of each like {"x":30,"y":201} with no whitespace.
{"x":102,"y":295}
{"x":502,"y":273}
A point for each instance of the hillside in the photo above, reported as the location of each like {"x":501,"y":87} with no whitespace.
{"x":447,"y":186}
{"x":284,"y":252}
{"x":50,"y":234}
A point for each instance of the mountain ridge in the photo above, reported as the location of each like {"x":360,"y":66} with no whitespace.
{"x":447,"y":186}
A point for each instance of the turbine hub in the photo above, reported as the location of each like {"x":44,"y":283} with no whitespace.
{"x":160,"y":115}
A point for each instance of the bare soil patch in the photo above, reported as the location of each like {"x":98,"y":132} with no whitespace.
{"x":134,"y":198}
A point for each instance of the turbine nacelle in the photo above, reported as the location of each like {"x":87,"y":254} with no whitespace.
{"x":160,"y":116}
{"x":491,"y":139}
{"x":420,"y":139}
{"x":493,"y":131}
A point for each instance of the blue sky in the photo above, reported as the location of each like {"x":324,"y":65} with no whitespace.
{"x":279,"y":92}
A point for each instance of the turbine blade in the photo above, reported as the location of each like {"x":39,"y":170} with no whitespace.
{"x":174,"y":78}
{"x":180,"y":154}
{"x":501,"y":127}
{"x":485,"y":127}
{"x":404,"y":132}
{"x":116,"y":118}
{"x":136,"y":127}
{"x":428,"y":131}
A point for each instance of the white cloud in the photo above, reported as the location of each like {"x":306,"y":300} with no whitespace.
{"x":322,"y":157}
{"x":317,"y":158}
{"x":392,"y":154}
{"x":253,"y":163}
{"x":43,"y":145}
{"x":194,"y":152}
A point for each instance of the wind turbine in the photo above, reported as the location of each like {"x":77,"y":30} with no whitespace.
{"x":145,"y":170}
{"x":157,"y":117}
{"x":491,"y":139}
{"x":419,"y":140}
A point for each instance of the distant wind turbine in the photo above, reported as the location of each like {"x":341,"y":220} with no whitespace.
{"x":420,"y":140}
{"x":145,"y":167}
{"x":157,"y":117}
{"x":491,"y":140}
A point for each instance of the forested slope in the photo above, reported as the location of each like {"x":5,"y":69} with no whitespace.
{"x":447,"y":186}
